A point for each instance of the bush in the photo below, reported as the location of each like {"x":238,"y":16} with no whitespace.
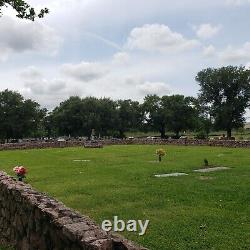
{"x":206,"y":162}
{"x":202,"y":135}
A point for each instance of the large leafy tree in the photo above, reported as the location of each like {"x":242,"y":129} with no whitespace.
{"x":23,"y":9}
{"x":179,"y":112}
{"x":19,"y":117}
{"x":129,"y":116}
{"x":225,"y":92}
{"x":78,"y":117}
{"x":67,"y":117}
{"x":173,"y":113}
{"x":155,"y":117}
{"x":108,"y":117}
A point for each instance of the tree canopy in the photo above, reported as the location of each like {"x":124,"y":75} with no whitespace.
{"x":18,"y":117}
{"x":174,"y":113}
{"x":24,"y":10}
{"x":225,"y":92}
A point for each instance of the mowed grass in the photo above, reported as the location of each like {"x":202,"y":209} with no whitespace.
{"x":186,"y":212}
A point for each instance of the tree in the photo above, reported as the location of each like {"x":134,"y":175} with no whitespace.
{"x":67,"y":117}
{"x":18,"y":117}
{"x":179,"y":113}
{"x":24,"y":10}
{"x":225,"y":92}
{"x":108,"y":116}
{"x":155,"y":117}
{"x":77,"y":117}
{"x":129,"y":116}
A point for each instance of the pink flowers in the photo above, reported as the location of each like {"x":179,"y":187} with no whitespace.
{"x":20,"y":172}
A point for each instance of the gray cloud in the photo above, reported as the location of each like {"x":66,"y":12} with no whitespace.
{"x":85,"y":71}
{"x":31,"y":73}
{"x":44,"y":86}
{"x":20,"y":36}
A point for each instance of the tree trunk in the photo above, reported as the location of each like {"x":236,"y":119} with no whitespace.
{"x":121,"y":134}
{"x":162,"y":131}
{"x":229,"y":133}
{"x":159,"y":158}
{"x":177,"y":134}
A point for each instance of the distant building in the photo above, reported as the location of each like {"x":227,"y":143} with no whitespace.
{"x":247,"y":126}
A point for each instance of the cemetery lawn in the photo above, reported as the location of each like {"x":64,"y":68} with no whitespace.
{"x":198,"y":211}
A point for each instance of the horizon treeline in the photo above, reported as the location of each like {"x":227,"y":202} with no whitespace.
{"x":222,"y":101}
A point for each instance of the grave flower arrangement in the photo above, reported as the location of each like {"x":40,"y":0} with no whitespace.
{"x":20,"y":172}
{"x":160,"y":152}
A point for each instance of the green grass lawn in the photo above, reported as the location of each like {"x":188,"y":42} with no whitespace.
{"x":187,"y":212}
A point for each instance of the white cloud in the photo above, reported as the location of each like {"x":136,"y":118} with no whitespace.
{"x":207,"y":31}
{"x":158,"y":88}
{"x":18,"y":36}
{"x":121,"y":58}
{"x":85,"y":71}
{"x":209,"y":51}
{"x":158,"y":37}
{"x":233,"y":55}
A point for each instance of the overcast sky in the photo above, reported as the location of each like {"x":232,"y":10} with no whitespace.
{"x":120,"y":48}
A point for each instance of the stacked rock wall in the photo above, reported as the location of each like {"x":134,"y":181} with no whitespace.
{"x":30,"y":220}
{"x":180,"y":142}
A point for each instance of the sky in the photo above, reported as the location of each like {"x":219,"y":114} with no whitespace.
{"x":122,"y":49}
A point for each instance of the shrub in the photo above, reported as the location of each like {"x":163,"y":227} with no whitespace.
{"x":202,"y":135}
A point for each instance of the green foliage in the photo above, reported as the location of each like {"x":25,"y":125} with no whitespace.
{"x":175,"y":113}
{"x":201,"y":135}
{"x":77,"y":117}
{"x":206,"y":162}
{"x":225,"y":92}
{"x":18,"y":117}
{"x":129,"y":116}
{"x":24,"y":10}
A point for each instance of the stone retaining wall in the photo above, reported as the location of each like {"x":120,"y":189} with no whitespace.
{"x":180,"y":142}
{"x":30,"y":220}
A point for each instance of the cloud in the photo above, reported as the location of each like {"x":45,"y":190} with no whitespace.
{"x":44,"y":86}
{"x":158,"y":37}
{"x":158,"y":88}
{"x":85,"y":71}
{"x":19,"y":36}
{"x":233,"y":55}
{"x":209,"y":51}
{"x":207,"y":31}
{"x":31,"y":72}
{"x":121,"y":58}
{"x":50,"y":92}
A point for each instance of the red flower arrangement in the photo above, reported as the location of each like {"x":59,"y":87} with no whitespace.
{"x":20,"y":172}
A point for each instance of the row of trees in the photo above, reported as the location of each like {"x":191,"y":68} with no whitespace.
{"x":221,"y":104}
